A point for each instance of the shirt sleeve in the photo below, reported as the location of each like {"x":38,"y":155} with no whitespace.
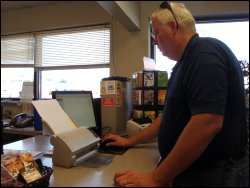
{"x":206,"y":85}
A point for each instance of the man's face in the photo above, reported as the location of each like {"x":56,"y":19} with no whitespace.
{"x":162,"y":37}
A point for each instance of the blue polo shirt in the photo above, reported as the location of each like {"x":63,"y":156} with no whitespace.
{"x":207,"y":79}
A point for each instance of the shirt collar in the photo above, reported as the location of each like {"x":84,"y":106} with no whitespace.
{"x":188,"y":47}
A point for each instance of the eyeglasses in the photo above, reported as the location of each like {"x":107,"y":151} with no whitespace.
{"x":166,"y":5}
{"x":153,"y":35}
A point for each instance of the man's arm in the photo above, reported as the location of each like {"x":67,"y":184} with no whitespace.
{"x":148,"y":133}
{"x":145,"y":135}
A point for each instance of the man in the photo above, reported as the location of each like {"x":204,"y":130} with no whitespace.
{"x":202,"y":133}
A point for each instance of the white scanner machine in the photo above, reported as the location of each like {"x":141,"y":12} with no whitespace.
{"x":74,"y":146}
{"x":71,"y":144}
{"x":133,"y":127}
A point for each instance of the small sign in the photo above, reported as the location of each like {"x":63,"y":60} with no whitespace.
{"x":107,"y":87}
{"x":107,"y":102}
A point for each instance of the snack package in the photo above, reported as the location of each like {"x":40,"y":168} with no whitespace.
{"x":8,"y":180}
{"x":13,"y":164}
{"x":31,"y":175}
{"x":22,"y":166}
{"x":27,"y":160}
{"x":31,"y":172}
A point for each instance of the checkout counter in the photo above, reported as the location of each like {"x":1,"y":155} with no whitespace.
{"x":143,"y":157}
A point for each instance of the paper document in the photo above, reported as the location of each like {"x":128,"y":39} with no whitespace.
{"x":52,"y":113}
{"x":77,"y":139}
{"x":149,"y":64}
{"x":27,"y":91}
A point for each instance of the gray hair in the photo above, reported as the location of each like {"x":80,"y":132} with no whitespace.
{"x":184,"y":18}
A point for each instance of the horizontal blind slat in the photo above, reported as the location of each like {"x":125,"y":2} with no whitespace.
{"x":67,"y":47}
{"x":17,"y":49}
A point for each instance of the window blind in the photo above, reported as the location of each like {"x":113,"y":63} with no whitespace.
{"x":17,"y":50}
{"x":70,"y":48}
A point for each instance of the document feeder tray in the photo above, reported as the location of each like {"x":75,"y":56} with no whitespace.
{"x":74,"y":146}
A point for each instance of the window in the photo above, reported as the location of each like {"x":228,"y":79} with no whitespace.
{"x":69,"y":59}
{"x":234,"y":34}
{"x":17,"y":60}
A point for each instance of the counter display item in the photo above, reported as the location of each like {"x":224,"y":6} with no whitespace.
{"x":20,"y":169}
{"x":149,"y":93}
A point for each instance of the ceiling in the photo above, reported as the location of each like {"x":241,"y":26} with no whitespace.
{"x":11,"y":5}
{"x":111,"y":6}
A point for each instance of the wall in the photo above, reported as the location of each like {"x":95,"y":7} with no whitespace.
{"x":128,"y":47}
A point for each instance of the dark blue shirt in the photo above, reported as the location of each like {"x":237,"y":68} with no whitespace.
{"x":207,"y":79}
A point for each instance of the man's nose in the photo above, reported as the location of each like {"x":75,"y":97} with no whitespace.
{"x":154,"y":41}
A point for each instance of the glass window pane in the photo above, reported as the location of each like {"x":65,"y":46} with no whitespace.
{"x":234,"y":34}
{"x":12,"y":81}
{"x":75,"y":79}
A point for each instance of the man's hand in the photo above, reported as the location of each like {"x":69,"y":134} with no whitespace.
{"x":132,"y":178}
{"x":116,"y":140}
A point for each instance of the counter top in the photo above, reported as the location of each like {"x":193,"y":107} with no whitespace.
{"x":143,"y":157}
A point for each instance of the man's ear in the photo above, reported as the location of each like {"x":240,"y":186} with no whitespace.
{"x":173,"y":25}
